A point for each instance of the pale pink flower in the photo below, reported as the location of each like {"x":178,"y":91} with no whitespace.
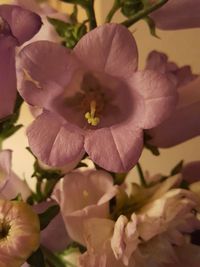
{"x":82,"y":195}
{"x":158,"y":231}
{"x":125,"y":238}
{"x":10,"y":184}
{"x":165,"y":213}
{"x":19,"y":233}
{"x":177,"y":14}
{"x":103,"y":237}
{"x":184,"y":123}
{"x":94,"y":99}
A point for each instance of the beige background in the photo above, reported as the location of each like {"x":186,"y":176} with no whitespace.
{"x":182,"y":46}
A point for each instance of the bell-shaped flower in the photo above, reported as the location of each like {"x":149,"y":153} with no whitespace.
{"x":177,"y":14}
{"x":82,"y":195}
{"x":184,"y":123}
{"x":47,"y":31}
{"x":10,"y":184}
{"x":19,"y":233}
{"x":93,"y":98}
{"x":13,"y":32}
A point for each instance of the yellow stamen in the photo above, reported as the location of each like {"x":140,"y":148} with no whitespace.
{"x":90,"y":116}
{"x":28,"y":77}
{"x":85,"y":194}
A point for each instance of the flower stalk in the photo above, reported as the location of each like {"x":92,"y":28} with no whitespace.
{"x":143,"y":13}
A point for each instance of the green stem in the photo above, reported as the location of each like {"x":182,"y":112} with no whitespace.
{"x":113,"y":10}
{"x":143,"y":13}
{"x":52,"y":259}
{"x":89,"y":8}
{"x":141,"y":175}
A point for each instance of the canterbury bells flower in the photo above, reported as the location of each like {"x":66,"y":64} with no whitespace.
{"x":94,"y":99}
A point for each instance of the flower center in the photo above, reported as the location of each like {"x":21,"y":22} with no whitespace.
{"x":89,"y":100}
{"x":90,"y":116}
{"x":4,"y":229}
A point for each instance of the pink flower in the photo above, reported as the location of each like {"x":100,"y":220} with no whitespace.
{"x":94,"y":99}
{"x":19,"y":233}
{"x":153,"y":237}
{"x":47,"y":31}
{"x":10,"y":184}
{"x":184,"y":123}
{"x":165,"y":213}
{"x":178,"y":14}
{"x":82,"y":195}
{"x":14,"y":32}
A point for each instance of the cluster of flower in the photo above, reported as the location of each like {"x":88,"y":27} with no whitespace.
{"x":93,"y":103}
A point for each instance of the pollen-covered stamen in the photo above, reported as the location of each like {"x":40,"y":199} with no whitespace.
{"x":90,"y":116}
{"x":28,"y":77}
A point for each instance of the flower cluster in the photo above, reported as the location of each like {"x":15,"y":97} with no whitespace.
{"x":94,"y":112}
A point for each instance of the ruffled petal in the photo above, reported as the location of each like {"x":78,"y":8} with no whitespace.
{"x":159,"y":97}
{"x":54,"y":141}
{"x":110,"y":48}
{"x":120,"y":145}
{"x":23,"y":23}
{"x":178,"y":14}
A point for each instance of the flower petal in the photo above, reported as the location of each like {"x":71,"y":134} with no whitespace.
{"x":178,"y":14}
{"x":191,"y":172}
{"x":159,"y":96}
{"x":90,"y":189}
{"x":44,"y":70}
{"x":182,"y":126}
{"x":108,"y":48}
{"x":54,"y":141}
{"x":15,"y":16}
{"x":123,"y":145}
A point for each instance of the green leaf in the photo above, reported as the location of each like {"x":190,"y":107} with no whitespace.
{"x":152,"y":26}
{"x":154,"y":150}
{"x":71,"y":33}
{"x":37,"y":259}
{"x":76,"y":246}
{"x":74,"y":15}
{"x":177,"y":169}
{"x":7,"y":125}
{"x":53,"y":260}
{"x":46,"y":217}
{"x":17,"y":198}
